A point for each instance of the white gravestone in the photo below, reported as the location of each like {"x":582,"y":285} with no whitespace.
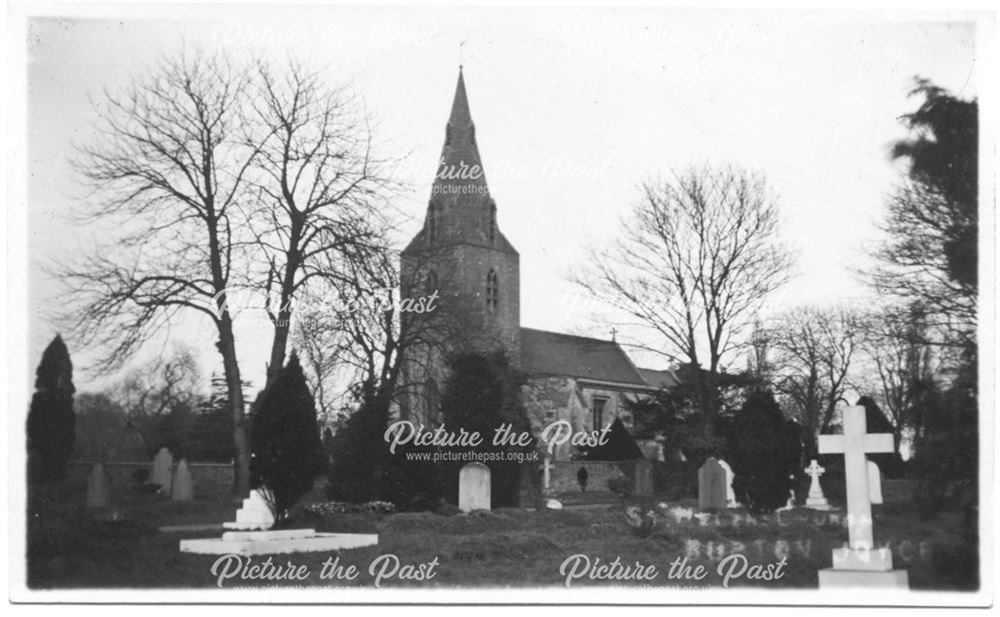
{"x":255,"y":513}
{"x":816,"y":500}
{"x":860,"y":564}
{"x":163,"y":470}
{"x":474,"y":487}
{"x":183,"y":489}
{"x":730,"y":493}
{"x":98,"y":491}
{"x":874,"y":483}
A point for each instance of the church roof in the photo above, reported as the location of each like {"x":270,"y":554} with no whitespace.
{"x":659,"y":379}
{"x":554,"y":353}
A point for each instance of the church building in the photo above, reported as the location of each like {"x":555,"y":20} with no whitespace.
{"x":462,"y":254}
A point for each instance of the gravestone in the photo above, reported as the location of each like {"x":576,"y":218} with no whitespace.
{"x":860,"y":564}
{"x":711,"y":485}
{"x":816,"y":500}
{"x":474,"y":487}
{"x":183,"y":486}
{"x":874,"y":483}
{"x":644,"y":477}
{"x":98,"y":491}
{"x":163,"y":470}
{"x":255,"y":513}
{"x":730,"y":493}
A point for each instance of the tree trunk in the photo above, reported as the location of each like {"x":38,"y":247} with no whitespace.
{"x":234,"y":387}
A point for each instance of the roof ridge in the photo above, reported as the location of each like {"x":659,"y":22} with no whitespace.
{"x":578,"y":336}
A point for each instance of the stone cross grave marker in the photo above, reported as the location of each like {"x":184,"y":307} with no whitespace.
{"x":98,"y":491}
{"x":816,"y":499}
{"x":163,"y":470}
{"x":644,"y":477}
{"x":183,"y":489}
{"x":547,"y":474}
{"x":711,"y":485}
{"x":859,"y":564}
{"x":474,"y":487}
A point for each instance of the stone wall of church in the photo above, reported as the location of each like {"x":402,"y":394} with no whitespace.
{"x":549,"y":399}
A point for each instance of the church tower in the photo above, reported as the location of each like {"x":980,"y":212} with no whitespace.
{"x":461,"y":253}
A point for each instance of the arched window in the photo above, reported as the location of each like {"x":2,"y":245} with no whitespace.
{"x":431,"y":284}
{"x":492,"y":291}
{"x":493,"y":223}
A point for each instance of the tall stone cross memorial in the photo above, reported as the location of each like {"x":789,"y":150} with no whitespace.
{"x":816,"y":500}
{"x":860,"y":564}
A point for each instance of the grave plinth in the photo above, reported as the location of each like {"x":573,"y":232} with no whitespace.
{"x":251,"y":535}
{"x":249,"y":543}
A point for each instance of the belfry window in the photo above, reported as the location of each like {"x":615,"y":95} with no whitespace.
{"x":492,"y":291}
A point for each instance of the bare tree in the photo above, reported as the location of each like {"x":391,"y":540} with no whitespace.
{"x":322,"y":196}
{"x":901,"y":366}
{"x":696,"y":259}
{"x":815,"y":350}
{"x":167,"y":173}
{"x":378,"y":325}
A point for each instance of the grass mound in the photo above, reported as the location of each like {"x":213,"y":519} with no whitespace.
{"x":411,"y":521}
{"x":502,"y":546}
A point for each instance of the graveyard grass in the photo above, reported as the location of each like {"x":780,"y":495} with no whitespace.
{"x":71,"y":548}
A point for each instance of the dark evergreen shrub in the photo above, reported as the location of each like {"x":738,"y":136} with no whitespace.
{"x":481,"y":394}
{"x":362,"y":468}
{"x":763,"y":451}
{"x":286,"y":452}
{"x":619,"y":446}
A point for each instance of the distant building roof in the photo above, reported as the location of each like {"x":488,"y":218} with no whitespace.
{"x":554,"y":353}
{"x":659,"y":379}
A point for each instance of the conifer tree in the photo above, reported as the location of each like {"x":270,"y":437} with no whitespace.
{"x":286,"y":451}
{"x":51,"y":422}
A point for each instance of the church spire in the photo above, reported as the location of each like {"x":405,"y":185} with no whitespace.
{"x":460,"y":115}
{"x":460,"y":209}
{"x":460,"y":163}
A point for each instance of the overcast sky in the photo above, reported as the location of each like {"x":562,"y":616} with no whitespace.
{"x":572,"y":108}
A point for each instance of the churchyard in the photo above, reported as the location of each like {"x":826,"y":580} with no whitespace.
{"x":293,"y":369}
{"x":139,"y":539}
